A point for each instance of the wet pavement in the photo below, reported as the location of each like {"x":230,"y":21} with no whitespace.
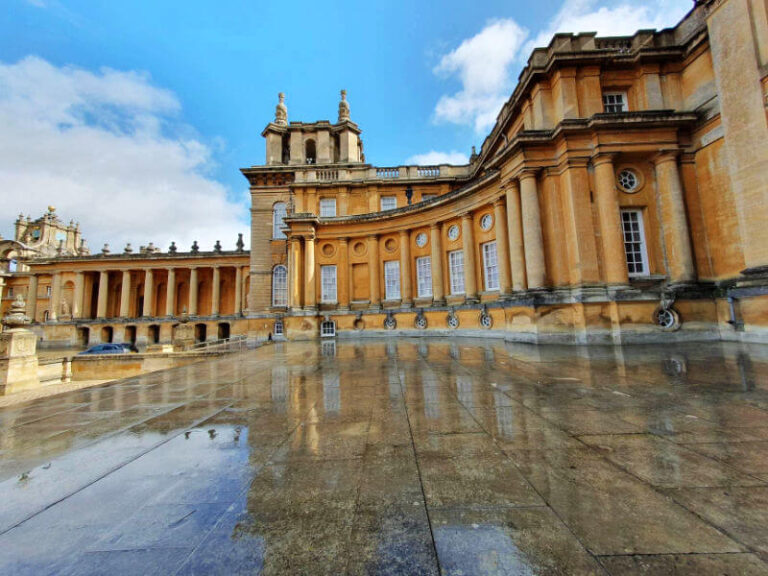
{"x":418,"y":456}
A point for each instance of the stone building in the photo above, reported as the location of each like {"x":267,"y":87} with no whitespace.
{"x":620,"y":197}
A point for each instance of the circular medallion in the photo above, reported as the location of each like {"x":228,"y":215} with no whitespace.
{"x":421,"y":322}
{"x":390,"y":245}
{"x":453,"y":321}
{"x":328,"y":250}
{"x":486,"y":321}
{"x":453,"y":232}
{"x":421,"y":240}
{"x":486,"y":222}
{"x":358,"y":248}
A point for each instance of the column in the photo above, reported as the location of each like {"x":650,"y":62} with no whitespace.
{"x":53,"y":313}
{"x":32,"y":297}
{"x":611,"y":235}
{"x":125,"y":295}
{"x":373,"y":271}
{"x":149,"y":290}
{"x":502,"y":246}
{"x":77,"y":298}
{"x":438,"y":294}
{"x":675,"y":222}
{"x":342,"y":274}
{"x":192,"y":310}
{"x":515,"y":233}
{"x":170,"y":293}
{"x":238,"y":290}
{"x":405,"y":268}
{"x":310,"y":290}
{"x":216,"y":291}
{"x":294,"y":269}
{"x":468,"y":247}
{"x":101,"y":301}
{"x":532,"y":236}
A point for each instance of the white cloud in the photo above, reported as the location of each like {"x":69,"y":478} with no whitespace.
{"x":434,"y":157}
{"x":618,"y":19}
{"x":106,"y":148}
{"x":487,"y":64}
{"x":482,"y":64}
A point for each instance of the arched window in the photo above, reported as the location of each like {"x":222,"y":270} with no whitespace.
{"x":279,"y":286}
{"x":278,"y":214}
{"x":13,"y":265}
{"x":310,"y":153}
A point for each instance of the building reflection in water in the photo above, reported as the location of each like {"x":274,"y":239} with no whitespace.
{"x":331,"y":392}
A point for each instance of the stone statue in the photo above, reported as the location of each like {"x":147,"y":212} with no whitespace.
{"x":16,"y":316}
{"x":343,"y":107}
{"x":281,"y":111}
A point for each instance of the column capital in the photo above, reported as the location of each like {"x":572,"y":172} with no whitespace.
{"x":509,"y":182}
{"x":500,"y":201}
{"x":664,"y":156}
{"x":603,"y":158}
{"x":343,"y":239}
{"x":527,"y":173}
{"x":373,"y":236}
{"x":404,"y":233}
{"x":466,"y":216}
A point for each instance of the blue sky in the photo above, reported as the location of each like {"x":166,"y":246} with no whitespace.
{"x":134,"y":117}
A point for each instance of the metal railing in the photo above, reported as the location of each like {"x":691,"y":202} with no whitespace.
{"x":234,"y":343}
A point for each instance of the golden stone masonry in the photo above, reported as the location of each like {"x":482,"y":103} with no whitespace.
{"x":620,"y":197}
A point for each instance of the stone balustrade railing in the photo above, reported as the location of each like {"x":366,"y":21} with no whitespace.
{"x":369,"y":173}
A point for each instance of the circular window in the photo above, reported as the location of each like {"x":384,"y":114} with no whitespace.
{"x":421,"y":322}
{"x":486,"y":321}
{"x":486,"y":222}
{"x":453,"y":321}
{"x":628,"y":180}
{"x":453,"y":232}
{"x":421,"y":240}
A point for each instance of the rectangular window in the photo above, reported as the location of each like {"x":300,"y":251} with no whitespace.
{"x":424,"y":276}
{"x":614,"y":102}
{"x":490,"y":266}
{"x":456,"y":271}
{"x":392,"y":280}
{"x":10,"y":292}
{"x":328,"y":284}
{"x":48,"y":291}
{"x":388,"y":203}
{"x":634,"y":242}
{"x":327,"y":207}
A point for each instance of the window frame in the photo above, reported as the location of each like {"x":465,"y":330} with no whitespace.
{"x":640,"y":241}
{"x":277,"y":232}
{"x":490,"y":269}
{"x":283,"y":289}
{"x":387,"y":198}
{"x":456,"y":272}
{"x":613,"y":94}
{"x":392,"y":289}
{"x":325,"y":286}
{"x":327,"y":200}
{"x":424,"y":276}
{"x":327,"y":329}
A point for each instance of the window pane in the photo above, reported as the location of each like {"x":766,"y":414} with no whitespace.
{"x":424,"y":276}
{"x":280,"y":286}
{"x":327,"y":207}
{"x":456,"y":266}
{"x":392,"y":280}
{"x":634,"y":242}
{"x":388,"y":203}
{"x":490,"y":266}
{"x":278,"y":214}
{"x":328,"y":284}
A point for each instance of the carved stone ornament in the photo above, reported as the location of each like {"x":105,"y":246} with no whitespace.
{"x":421,"y":321}
{"x":452,"y":320}
{"x":389,"y":322}
{"x":16,"y":316}
{"x":281,"y":111}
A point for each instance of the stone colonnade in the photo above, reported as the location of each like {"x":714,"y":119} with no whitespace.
{"x":519,"y":241}
{"x":149,"y":298}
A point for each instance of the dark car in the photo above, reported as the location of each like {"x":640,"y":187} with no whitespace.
{"x":105,"y":349}
{"x":128,"y":347}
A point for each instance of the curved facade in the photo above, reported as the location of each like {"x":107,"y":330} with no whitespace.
{"x":620,"y":197}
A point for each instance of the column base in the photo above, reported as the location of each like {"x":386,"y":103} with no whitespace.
{"x":471,"y":300}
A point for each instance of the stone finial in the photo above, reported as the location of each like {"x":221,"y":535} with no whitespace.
{"x":473,"y":156}
{"x":343,"y":107}
{"x":281,"y":111}
{"x":60,"y":248}
{"x":217,"y":247}
{"x":84,"y":250}
{"x":21,"y":217}
{"x":195,"y":247}
{"x":240,"y":244}
{"x":105,"y":249}
{"x":128,"y":248}
{"x":151,"y":248}
{"x":51,"y":209}
{"x":16,"y":316}
{"x":172,"y":249}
